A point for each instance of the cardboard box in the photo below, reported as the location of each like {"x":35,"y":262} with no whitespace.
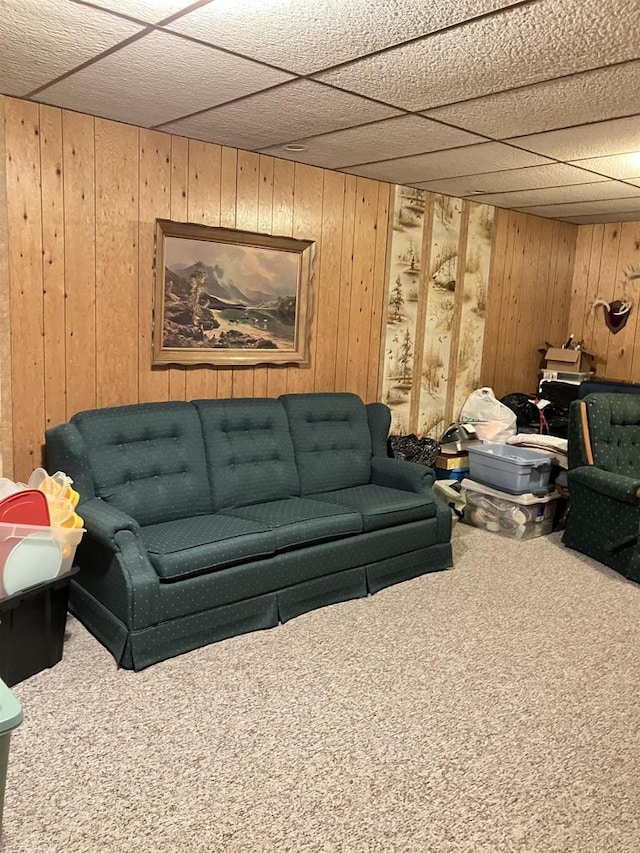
{"x":568,"y":360}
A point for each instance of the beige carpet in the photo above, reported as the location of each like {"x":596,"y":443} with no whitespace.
{"x":490,"y":708}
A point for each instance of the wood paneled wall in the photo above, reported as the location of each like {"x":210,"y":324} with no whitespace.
{"x":529,"y":297}
{"x":82,"y":197}
{"x":604,"y":253}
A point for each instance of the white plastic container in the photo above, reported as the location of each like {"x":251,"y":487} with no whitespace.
{"x":30,"y":555}
{"x":516,"y":516}
{"x":516,"y":470}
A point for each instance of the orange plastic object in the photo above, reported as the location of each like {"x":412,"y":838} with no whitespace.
{"x":27,"y":507}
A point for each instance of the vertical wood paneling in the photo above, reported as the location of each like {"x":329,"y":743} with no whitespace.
{"x":264,"y":226}
{"x":248,"y":177}
{"x":282,"y":224}
{"x":78,"y":134}
{"x":528,"y":299}
{"x":494,"y":296}
{"x":228,"y":197}
{"x":203,"y":206}
{"x":179,"y":184}
{"x":6,"y":420}
{"x":380,"y":274}
{"x":154,"y":201}
{"x":307,"y":225}
{"x":346,"y":267}
{"x":621,"y":347}
{"x":326,"y":316}
{"x":117,"y":320}
{"x":53,"y":265}
{"x":24,"y":214}
{"x":364,"y":252}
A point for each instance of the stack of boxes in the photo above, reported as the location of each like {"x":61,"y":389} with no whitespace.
{"x":567,"y":364}
{"x":508,"y":491}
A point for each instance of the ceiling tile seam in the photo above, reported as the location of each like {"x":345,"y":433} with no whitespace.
{"x":492,"y":13}
{"x":573,"y":127}
{"x":113,"y":49}
{"x":199,"y":4}
{"x":560,"y":186}
{"x":525,"y":86}
{"x":593,"y":201}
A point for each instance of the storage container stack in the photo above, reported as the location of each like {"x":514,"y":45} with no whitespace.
{"x":508,"y":490}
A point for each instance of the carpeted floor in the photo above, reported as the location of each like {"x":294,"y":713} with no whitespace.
{"x":490,"y":708}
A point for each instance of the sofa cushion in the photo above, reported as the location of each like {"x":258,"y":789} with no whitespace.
{"x":204,"y":542}
{"x":147,"y":459}
{"x":249,"y":451}
{"x":381,"y":506}
{"x":300,"y":521}
{"x":614,"y":424}
{"x":331,"y":440}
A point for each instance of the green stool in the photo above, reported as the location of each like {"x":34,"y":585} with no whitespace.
{"x":10,"y":718}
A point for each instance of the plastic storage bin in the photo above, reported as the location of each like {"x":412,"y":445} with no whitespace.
{"x":10,"y":719}
{"x":32,"y":626}
{"x":30,"y":555}
{"x":516,"y":516}
{"x":515,"y":470}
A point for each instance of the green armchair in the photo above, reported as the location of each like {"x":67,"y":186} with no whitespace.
{"x":604,"y":480}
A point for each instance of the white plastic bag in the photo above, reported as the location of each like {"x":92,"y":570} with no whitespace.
{"x":492,"y":419}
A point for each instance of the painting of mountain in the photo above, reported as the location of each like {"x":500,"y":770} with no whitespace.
{"x":228,"y":296}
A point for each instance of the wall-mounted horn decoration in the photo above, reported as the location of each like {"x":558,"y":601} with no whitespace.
{"x":617,"y":313}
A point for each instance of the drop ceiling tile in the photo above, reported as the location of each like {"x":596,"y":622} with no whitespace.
{"x":267,"y":119}
{"x":42,"y":40}
{"x":621,"y":166}
{"x":394,"y":137}
{"x":531,"y":177}
{"x":474,"y":159}
{"x":605,"y":217}
{"x":522,"y":45}
{"x":561,"y":195}
{"x":132,"y":85}
{"x":586,"y":208}
{"x":617,"y":136}
{"x":587,"y":97}
{"x":304,"y":36}
{"x":151,"y":11}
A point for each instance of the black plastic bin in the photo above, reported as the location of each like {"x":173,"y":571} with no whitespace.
{"x":32,"y":624}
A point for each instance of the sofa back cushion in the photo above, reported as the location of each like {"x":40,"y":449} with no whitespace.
{"x":614,"y":426}
{"x":331,"y":439}
{"x":148,"y":459}
{"x":249,"y":451}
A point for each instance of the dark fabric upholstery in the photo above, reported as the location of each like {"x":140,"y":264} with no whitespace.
{"x":380,"y":506}
{"x":203,"y":543}
{"x":300,"y":521}
{"x":331,"y":440}
{"x":249,"y":451}
{"x":147,"y":460}
{"x":604,"y":508}
{"x":614,"y":424}
{"x":206,"y":520}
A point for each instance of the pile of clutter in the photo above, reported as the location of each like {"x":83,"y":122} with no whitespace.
{"x":39,"y":530}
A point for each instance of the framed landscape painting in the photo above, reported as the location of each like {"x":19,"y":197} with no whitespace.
{"x":226,"y":297}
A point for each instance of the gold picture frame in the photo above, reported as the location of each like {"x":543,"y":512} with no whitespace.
{"x":230,"y":298}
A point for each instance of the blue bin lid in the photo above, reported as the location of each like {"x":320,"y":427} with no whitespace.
{"x":10,"y":710}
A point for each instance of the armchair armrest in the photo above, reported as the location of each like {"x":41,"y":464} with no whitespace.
{"x":398,"y":474}
{"x":104,"y":521}
{"x":616,"y":486}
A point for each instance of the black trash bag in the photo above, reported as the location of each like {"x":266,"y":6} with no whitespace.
{"x":423,"y":451}
{"x":527,"y":413}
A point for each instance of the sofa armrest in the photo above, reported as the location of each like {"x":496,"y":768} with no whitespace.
{"x":616,"y":486}
{"x":104,"y":521}
{"x":398,"y":474}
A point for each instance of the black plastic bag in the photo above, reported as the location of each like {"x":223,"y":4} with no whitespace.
{"x":411,"y":448}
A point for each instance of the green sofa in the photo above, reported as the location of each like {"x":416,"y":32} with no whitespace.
{"x":213,"y":518}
